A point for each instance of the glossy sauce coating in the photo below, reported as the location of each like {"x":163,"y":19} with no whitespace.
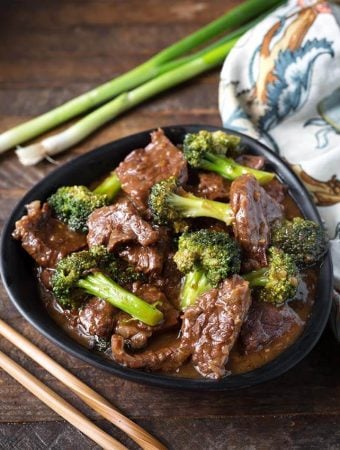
{"x":239,"y":361}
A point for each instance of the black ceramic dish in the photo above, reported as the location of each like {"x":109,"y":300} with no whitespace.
{"x":22,"y":286}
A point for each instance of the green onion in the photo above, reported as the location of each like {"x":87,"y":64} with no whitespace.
{"x":174,"y":73}
{"x":124,"y":83}
{"x":77,"y":132}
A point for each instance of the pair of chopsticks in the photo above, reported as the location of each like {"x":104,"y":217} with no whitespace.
{"x":63,"y":408}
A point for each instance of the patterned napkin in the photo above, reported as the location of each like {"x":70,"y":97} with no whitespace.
{"x":281,"y":84}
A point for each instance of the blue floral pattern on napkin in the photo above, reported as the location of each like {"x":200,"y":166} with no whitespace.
{"x":281,"y":84}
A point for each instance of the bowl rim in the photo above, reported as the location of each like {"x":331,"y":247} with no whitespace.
{"x":279,"y":365}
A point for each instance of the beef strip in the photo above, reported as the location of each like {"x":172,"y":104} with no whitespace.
{"x":96,"y":317}
{"x":142,"y":168}
{"x":149,"y":360}
{"x":145,"y":259}
{"x":276,"y":190}
{"x":211,"y":326}
{"x":148,"y":259}
{"x":72,"y":317}
{"x":119,"y":224}
{"x":45,"y":238}
{"x":136,"y":333}
{"x":212,"y":186}
{"x":45,"y":277}
{"x":209,"y":331}
{"x":170,"y":281}
{"x":254,"y":211}
{"x":265,"y":323}
{"x":252,"y":161}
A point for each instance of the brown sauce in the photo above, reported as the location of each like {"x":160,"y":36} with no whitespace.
{"x":238,"y":361}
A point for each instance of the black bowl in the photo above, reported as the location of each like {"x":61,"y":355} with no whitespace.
{"x":22,"y":286}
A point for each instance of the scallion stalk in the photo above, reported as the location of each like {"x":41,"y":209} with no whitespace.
{"x":137,"y":76}
{"x":59,"y":142}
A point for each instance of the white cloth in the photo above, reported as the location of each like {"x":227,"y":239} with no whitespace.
{"x":281,"y":84}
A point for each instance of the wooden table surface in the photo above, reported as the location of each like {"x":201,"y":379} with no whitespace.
{"x":51,"y":51}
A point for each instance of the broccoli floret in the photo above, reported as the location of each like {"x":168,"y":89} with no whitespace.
{"x":112,"y":266}
{"x":303,"y":239}
{"x":278,"y":282}
{"x":168,"y":204}
{"x":206,"y":258}
{"x":70,"y":269}
{"x":87,"y":271}
{"x":73,"y":204}
{"x":206,"y":150}
{"x":214,"y":252}
{"x":217,"y":142}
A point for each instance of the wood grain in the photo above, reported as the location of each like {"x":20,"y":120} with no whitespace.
{"x":90,"y":397}
{"x":58,"y":404}
{"x":49,"y":52}
{"x":263,"y":433}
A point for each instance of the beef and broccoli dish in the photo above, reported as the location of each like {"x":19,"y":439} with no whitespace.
{"x":190,"y":259}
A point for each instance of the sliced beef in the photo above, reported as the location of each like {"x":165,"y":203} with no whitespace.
{"x":265,"y":323}
{"x":149,"y":360}
{"x":119,"y":224}
{"x":72,"y":317}
{"x":45,"y":277}
{"x":254,"y":211}
{"x":134,"y":332}
{"x":148,"y":259}
{"x":152,"y":294}
{"x":45,"y":238}
{"x":96,"y":317}
{"x":276,"y":190}
{"x":252,"y":161}
{"x":212,"y":186}
{"x":211,"y":326}
{"x":145,"y":259}
{"x":142,"y":168}
{"x":209,"y":331}
{"x":170,"y":282}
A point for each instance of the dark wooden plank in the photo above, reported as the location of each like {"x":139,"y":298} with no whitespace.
{"x":60,"y":14}
{"x":65,"y":30}
{"x":310,"y":387}
{"x":303,"y":432}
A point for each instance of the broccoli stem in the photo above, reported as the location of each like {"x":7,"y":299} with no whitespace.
{"x":192,"y":206}
{"x":103,"y":287}
{"x":257,"y":277}
{"x":110,"y":186}
{"x":229,"y":169}
{"x":194,"y":284}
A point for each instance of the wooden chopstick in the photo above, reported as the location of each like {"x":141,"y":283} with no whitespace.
{"x":58,"y":404}
{"x":88,"y":395}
